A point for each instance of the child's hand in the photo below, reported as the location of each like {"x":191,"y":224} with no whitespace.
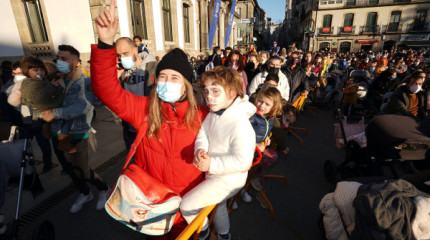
{"x":261,"y":147}
{"x":202,"y":161}
{"x":267,"y":141}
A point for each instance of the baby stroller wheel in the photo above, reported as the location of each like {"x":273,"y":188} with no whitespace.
{"x":45,"y":231}
{"x":330,"y":171}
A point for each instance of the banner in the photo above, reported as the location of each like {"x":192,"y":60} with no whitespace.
{"x":214,"y":22}
{"x":230,"y":23}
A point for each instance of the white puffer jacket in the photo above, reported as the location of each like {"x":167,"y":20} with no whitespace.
{"x":283,"y":85}
{"x":229,"y":140}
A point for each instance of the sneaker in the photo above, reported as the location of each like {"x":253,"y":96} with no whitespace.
{"x":245,"y":196}
{"x":205,"y":235}
{"x":103,"y":197}
{"x":80,"y":202}
{"x":234,"y":206}
{"x":224,"y":237}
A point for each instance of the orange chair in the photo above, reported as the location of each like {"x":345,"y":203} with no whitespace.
{"x":299,"y":104}
{"x":196,"y":225}
{"x":251,"y":174}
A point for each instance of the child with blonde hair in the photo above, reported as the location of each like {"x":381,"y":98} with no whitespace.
{"x":268,"y":102}
{"x":224,"y":149}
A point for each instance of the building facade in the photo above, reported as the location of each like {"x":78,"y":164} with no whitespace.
{"x":352,"y":25}
{"x":37,"y":27}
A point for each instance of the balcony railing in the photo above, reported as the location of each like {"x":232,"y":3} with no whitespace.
{"x":353,"y":3}
{"x":325,"y":30}
{"x":346,"y":30}
{"x":418,"y":27}
{"x":374,"y":29}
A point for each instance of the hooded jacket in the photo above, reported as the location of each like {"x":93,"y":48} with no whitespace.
{"x":168,"y":159}
{"x":229,"y":140}
{"x":283,"y":85}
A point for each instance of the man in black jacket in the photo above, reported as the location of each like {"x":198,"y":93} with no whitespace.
{"x":296,"y":78}
{"x":216,"y":56}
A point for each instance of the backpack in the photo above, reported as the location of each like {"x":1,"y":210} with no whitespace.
{"x":210,"y":65}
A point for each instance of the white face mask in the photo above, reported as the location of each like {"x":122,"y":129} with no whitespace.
{"x":415,"y":88}
{"x":215,"y":96}
{"x":38,"y":76}
{"x":19,"y":78}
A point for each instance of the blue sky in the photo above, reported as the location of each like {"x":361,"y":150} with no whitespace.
{"x":275,"y":9}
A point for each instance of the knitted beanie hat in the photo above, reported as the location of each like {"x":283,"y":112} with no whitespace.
{"x":176,"y":60}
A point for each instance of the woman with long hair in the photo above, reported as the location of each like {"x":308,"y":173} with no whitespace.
{"x":170,"y":117}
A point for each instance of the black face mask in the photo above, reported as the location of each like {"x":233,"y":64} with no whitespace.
{"x":250,"y":65}
{"x":273,"y":70}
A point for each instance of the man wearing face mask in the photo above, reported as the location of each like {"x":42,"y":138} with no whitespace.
{"x":297,"y":79}
{"x":416,"y":65}
{"x":274,"y":66}
{"x":408,"y":100}
{"x":75,"y":107}
{"x":135,"y":77}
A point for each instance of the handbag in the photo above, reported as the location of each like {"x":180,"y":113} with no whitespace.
{"x":140,"y":201}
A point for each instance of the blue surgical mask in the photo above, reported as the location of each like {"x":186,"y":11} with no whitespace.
{"x":394,"y":77}
{"x":169,"y":92}
{"x":63,"y":67}
{"x":127,"y":62}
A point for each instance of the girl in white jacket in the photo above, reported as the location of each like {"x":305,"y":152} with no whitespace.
{"x":224,"y":148}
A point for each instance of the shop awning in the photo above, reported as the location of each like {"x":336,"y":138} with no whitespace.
{"x":367,"y":41}
{"x":417,"y":43}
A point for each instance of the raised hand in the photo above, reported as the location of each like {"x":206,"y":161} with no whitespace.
{"x":107,"y":24}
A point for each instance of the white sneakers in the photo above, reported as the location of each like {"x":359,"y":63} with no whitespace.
{"x":234,"y":206}
{"x":83,"y":199}
{"x":245,"y":196}
{"x":80,"y":202}
{"x":103,"y":196}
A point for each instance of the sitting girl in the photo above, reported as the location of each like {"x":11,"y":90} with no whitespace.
{"x":224,"y":149}
{"x":269,"y":105}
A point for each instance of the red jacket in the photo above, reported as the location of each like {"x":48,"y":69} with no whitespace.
{"x":169,"y":160}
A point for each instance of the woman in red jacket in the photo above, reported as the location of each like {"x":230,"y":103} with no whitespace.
{"x":170,"y":117}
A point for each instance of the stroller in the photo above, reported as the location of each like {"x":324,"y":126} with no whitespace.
{"x":386,"y":139}
{"x":16,"y":160}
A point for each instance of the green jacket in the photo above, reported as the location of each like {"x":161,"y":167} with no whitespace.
{"x":399,"y":103}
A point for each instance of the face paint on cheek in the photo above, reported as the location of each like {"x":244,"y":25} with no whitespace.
{"x":216,"y":98}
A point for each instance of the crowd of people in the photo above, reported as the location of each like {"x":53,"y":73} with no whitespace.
{"x":205,"y":116}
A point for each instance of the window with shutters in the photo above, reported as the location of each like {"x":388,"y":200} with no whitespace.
{"x":394,"y":21}
{"x":35,"y":21}
{"x":185,"y":9}
{"x":420,"y":19}
{"x":138,"y":18}
{"x":326,"y":28}
{"x":347,"y":22}
{"x":167,"y":17}
{"x":371,"y":22}
{"x":350,"y":3}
